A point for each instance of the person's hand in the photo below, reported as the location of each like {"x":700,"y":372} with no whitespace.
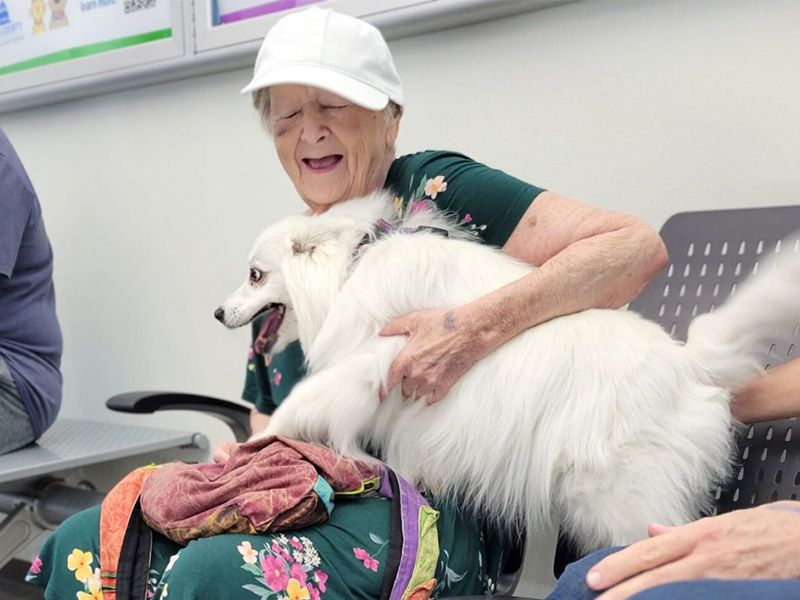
{"x":258,"y":421}
{"x":761,"y":543}
{"x":442,"y":346}
{"x":223,"y":451}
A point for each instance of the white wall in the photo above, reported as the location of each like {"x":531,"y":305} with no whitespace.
{"x":152,"y":197}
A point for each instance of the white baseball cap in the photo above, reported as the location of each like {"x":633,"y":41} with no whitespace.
{"x":332,"y":51}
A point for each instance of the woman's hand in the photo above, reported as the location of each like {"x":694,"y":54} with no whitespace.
{"x":258,"y":422}
{"x":762,"y":543}
{"x":442,"y":346}
{"x":223,"y":452}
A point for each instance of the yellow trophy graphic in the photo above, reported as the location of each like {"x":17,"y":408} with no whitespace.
{"x":37,"y":12}
{"x":58,"y":15}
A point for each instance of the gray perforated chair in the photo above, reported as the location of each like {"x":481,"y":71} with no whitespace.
{"x":66,"y":471}
{"x":711,"y":252}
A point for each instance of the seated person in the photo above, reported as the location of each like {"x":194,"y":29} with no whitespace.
{"x":30,"y":338}
{"x":335,"y":137}
{"x":747,"y":554}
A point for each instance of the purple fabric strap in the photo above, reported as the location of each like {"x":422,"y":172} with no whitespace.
{"x":386,"y":487}
{"x":410,"y":503}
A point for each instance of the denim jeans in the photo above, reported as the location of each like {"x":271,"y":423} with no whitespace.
{"x":572,"y":586}
{"x":16,"y":429}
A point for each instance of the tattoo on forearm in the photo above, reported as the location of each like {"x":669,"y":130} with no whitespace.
{"x":449,"y":321}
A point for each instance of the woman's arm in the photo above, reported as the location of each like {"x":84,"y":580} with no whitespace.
{"x":588,"y":258}
{"x":774,"y":394}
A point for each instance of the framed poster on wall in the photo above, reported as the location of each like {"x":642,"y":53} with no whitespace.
{"x":226,"y":23}
{"x":225,"y":12}
{"x":54,"y":31}
{"x":47,"y":42}
{"x":54,"y":50}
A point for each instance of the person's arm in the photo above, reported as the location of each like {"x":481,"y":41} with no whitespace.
{"x":774,"y":394}
{"x":258,"y":421}
{"x":753,"y":543}
{"x":17,"y":200}
{"x":587,"y":257}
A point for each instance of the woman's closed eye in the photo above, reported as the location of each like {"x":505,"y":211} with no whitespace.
{"x":290,"y":115}
{"x":334,"y":106}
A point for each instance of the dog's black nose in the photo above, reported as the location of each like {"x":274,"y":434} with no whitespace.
{"x":219,"y":315}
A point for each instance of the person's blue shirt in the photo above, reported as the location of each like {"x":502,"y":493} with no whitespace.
{"x":30,"y":338}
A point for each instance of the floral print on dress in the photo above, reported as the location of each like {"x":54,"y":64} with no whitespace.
{"x":80,"y":563}
{"x":95,"y":592}
{"x":449,"y":575}
{"x":466,"y":222}
{"x":434,"y":186}
{"x":157,"y":584}
{"x":251,"y":363}
{"x":153,"y":578}
{"x":276,"y":377}
{"x":249,"y":554}
{"x":489,"y":586}
{"x":368,"y":560}
{"x":36,"y":566}
{"x":422,"y":198}
{"x":285,"y":569}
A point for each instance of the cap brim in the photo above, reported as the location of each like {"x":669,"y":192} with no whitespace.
{"x":326,"y":79}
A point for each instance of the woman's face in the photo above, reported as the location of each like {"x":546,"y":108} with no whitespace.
{"x":332,"y":149}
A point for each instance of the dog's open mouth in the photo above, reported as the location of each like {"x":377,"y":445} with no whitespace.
{"x":268,"y":333}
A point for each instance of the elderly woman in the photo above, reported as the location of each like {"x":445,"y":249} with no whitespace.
{"x":330,"y":96}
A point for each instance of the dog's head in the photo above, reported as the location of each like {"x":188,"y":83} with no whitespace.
{"x":296,"y":269}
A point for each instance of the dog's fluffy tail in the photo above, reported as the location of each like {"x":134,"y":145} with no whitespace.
{"x":766,"y":305}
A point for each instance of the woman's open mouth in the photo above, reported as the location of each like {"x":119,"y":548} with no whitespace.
{"x":268,"y":333}
{"x":323,"y":164}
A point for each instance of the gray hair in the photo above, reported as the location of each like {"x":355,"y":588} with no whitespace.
{"x":260,"y":99}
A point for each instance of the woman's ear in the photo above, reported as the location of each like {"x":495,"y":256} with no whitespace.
{"x":393,"y":128}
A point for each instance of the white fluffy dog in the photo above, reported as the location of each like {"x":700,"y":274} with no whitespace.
{"x":597,"y":419}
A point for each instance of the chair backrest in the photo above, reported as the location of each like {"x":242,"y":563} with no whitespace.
{"x":711,"y":252}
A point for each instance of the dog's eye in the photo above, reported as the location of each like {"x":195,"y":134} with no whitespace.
{"x":255,"y":275}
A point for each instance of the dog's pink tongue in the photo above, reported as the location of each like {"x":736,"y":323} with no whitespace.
{"x":265,"y":338}
{"x":324,"y":162}
{"x":273,"y":321}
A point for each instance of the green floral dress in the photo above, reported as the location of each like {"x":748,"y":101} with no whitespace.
{"x":343,"y":558}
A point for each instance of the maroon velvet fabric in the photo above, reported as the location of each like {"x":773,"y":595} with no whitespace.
{"x":266,"y":485}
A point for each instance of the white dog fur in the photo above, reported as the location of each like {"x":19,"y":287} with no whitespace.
{"x":597,"y":419}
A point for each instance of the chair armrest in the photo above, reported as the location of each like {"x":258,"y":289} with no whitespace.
{"x":235,"y":416}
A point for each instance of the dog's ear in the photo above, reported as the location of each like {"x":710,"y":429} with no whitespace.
{"x":303,"y":247}
{"x":329,"y":232}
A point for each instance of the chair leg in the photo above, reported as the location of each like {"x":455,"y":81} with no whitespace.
{"x":17,"y":529}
